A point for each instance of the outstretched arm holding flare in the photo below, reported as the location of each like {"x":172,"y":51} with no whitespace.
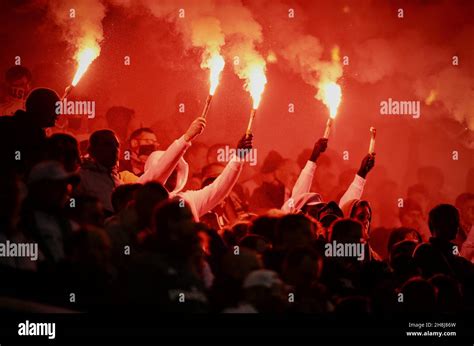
{"x":305,"y":179}
{"x":356,"y":188}
{"x":161,"y":169}
{"x":206,"y":199}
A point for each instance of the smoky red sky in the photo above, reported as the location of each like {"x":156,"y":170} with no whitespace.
{"x":387,"y":56}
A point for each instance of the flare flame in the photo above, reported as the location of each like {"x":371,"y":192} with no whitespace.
{"x":255,"y":84}
{"x":331,"y":95}
{"x":215,"y":64}
{"x":84,"y":58}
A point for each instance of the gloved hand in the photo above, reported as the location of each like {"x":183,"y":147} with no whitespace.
{"x":319,"y":147}
{"x":366,"y":165}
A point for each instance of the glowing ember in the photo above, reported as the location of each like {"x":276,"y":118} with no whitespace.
{"x":215,"y":64}
{"x":84,"y":58}
{"x":255,"y":84}
{"x":331,"y":96}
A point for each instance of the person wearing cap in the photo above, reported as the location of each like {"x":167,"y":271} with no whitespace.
{"x":43,"y":214}
{"x":301,"y":195}
{"x":22,"y":136}
{"x":263,"y":293}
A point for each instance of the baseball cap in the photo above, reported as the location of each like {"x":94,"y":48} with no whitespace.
{"x":262,"y":278}
{"x":52,"y":171}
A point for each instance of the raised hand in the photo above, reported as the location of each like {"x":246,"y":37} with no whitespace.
{"x":244,"y":145}
{"x":195,"y":129}
{"x":366,"y":165}
{"x":319,"y":147}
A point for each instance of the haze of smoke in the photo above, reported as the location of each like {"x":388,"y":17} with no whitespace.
{"x":85,"y":28}
{"x":302,"y":52}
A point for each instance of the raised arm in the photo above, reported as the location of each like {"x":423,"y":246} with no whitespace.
{"x":209,"y":197}
{"x":305,"y":179}
{"x":160,"y":168}
{"x":356,"y":188}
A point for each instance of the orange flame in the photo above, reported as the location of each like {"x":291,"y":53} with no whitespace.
{"x":84,"y":58}
{"x":331,"y":96}
{"x":255,"y":84}
{"x":215,"y":64}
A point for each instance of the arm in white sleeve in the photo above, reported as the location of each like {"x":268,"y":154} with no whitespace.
{"x":209,"y":197}
{"x":354,"y":191}
{"x":161,"y":170}
{"x":302,"y":185}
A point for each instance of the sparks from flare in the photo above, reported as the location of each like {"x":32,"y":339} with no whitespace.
{"x":84,"y":58}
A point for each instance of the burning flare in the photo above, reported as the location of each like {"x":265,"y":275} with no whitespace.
{"x":255,"y":84}
{"x":330,"y":94}
{"x":215,"y":64}
{"x":84,"y":58}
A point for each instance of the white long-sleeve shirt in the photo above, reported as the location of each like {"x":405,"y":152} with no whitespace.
{"x":161,"y":170}
{"x":354,"y":191}
{"x":302,"y":186}
{"x":207,"y":198}
{"x":305,"y":180}
{"x":203,"y":200}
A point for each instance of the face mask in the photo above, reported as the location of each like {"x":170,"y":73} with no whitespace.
{"x":146,"y":150}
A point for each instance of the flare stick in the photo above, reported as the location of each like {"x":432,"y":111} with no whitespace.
{"x":67,"y":91}
{"x":206,"y":106}
{"x":252,"y":116}
{"x":372,"y":140}
{"x":328,"y":127}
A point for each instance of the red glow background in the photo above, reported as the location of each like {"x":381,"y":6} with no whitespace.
{"x":163,"y":74}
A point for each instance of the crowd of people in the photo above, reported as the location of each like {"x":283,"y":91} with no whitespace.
{"x":118,"y":221}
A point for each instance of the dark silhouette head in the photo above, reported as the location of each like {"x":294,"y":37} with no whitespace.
{"x":401,"y":234}
{"x":448,"y":293}
{"x":294,"y":230}
{"x":104,"y":148}
{"x":65,"y":149}
{"x":254,"y":242}
{"x":418,"y":296}
{"x":175,"y":232}
{"x":444,"y":221}
{"x":265,"y":226}
{"x":41,"y":106}
{"x":122,"y":195}
{"x":147,"y":197}
{"x":346,"y":231}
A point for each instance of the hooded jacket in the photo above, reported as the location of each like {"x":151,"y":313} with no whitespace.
{"x":162,"y":164}
{"x":348,"y":209}
{"x":301,"y":191}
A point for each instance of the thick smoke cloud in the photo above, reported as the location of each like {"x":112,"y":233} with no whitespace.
{"x":80,"y":21}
